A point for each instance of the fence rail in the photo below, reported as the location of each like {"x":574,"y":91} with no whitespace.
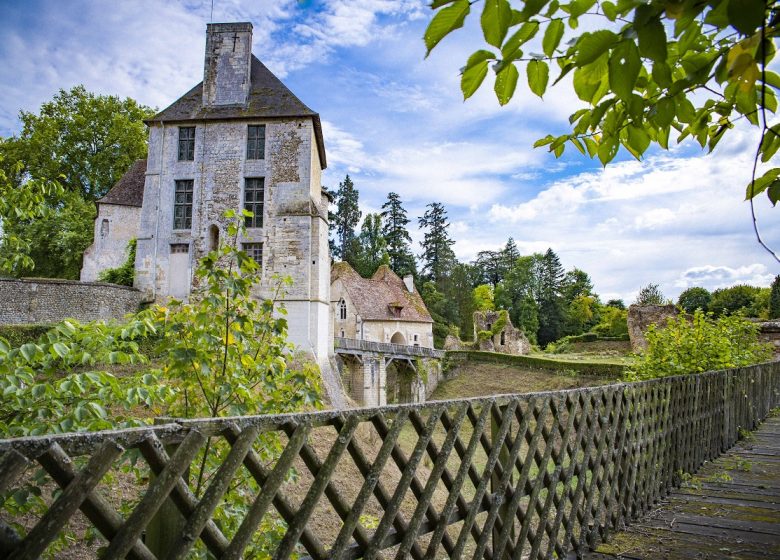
{"x":386,"y":348}
{"x":513,"y":476}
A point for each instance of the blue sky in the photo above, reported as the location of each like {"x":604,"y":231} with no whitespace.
{"x":397,"y":122}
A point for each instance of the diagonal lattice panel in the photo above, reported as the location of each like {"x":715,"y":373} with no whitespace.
{"x":515,"y":476}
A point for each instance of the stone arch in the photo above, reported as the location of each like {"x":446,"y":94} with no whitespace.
{"x":398,"y":338}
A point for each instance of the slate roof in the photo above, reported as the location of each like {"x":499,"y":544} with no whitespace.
{"x":268,"y":98}
{"x":129,"y":190}
{"x":373,"y":297}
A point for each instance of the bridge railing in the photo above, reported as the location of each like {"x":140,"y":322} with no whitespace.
{"x":386,"y":348}
{"x":517,"y":476}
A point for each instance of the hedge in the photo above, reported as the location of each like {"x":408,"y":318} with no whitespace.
{"x":534,"y":362}
{"x":16,"y":335}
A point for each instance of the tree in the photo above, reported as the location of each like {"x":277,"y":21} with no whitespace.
{"x":437,"y":257}
{"x":774,"y":299}
{"x":491,"y":265}
{"x":549,"y":298}
{"x":56,"y":239}
{"x":616,"y":303}
{"x":517,"y":295}
{"x":694,"y":298}
{"x":510,"y":253}
{"x":483,"y":298}
{"x":346,"y":217}
{"x":650,"y":295}
{"x":394,"y":222}
{"x":651,"y":70}
{"x":737,"y":299}
{"x":82,"y":140}
{"x":370,"y":247}
{"x":68,"y":155}
{"x":458,"y":292}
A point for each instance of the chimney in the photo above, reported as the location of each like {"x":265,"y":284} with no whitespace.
{"x":409,"y":282}
{"x":226,"y":76}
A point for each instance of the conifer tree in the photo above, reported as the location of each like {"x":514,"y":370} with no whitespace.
{"x":370,"y":247}
{"x":774,"y":299}
{"x":346,"y":218}
{"x":437,"y":257}
{"x":394,"y":222}
{"x":549,"y":298}
{"x":510,"y":254}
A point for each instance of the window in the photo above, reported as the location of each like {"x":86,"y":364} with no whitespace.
{"x":343,"y":310}
{"x":182,"y":205}
{"x":503,"y":338}
{"x":179,"y":248}
{"x":255,"y":142}
{"x":104,"y":228}
{"x":186,"y":143}
{"x":255,"y":251}
{"x":253,"y":201}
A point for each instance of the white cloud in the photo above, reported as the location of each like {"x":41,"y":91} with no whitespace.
{"x":714,"y":277}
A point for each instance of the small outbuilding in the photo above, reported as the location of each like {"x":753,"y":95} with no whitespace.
{"x":494,"y":332}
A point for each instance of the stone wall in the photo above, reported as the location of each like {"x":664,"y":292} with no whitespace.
{"x":507,"y":340}
{"x":115,"y":226}
{"x":51,"y":300}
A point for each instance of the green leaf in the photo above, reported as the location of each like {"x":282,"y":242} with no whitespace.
{"x":772,"y":79}
{"x":773,"y":192}
{"x":746,"y":15}
{"x":60,"y":349}
{"x":533,"y":7}
{"x":506,"y":82}
{"x":538,"y":75}
{"x":590,"y":46}
{"x":662,"y":74}
{"x":652,"y":40}
{"x":496,"y":17}
{"x":664,"y":112}
{"x":474,"y":73}
{"x":579,"y":7}
{"x":685,"y":110}
{"x":762,"y":183}
{"x":520,"y":37}
{"x":552,"y":36}
{"x":624,"y":67}
{"x":637,"y":141}
{"x":608,"y":149}
{"x":610,"y":10}
{"x":444,"y":22}
{"x":28,"y":351}
{"x":439,"y":3}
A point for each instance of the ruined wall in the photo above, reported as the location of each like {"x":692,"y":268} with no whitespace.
{"x":507,"y":340}
{"x":52,"y":300}
{"x":115,"y":226}
{"x":640,"y":317}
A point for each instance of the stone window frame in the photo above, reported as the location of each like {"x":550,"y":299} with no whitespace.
{"x":254,"y":205}
{"x":342,"y":310}
{"x":186,"y":150}
{"x":182,"y":204}
{"x":254,"y":249}
{"x":255,"y":143}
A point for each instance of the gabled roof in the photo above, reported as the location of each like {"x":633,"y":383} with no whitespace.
{"x":269,"y":98}
{"x":375,"y":297}
{"x":129,"y":190}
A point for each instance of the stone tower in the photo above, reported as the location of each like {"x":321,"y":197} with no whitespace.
{"x":240,"y":139}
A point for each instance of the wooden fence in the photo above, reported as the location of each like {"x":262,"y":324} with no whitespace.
{"x":536,"y":475}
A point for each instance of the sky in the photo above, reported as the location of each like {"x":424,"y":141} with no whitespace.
{"x":396,"y":121}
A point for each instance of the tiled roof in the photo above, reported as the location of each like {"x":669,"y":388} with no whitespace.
{"x":129,"y":190}
{"x":268,"y":98}
{"x":374,"y":297}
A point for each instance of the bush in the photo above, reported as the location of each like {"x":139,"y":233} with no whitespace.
{"x":16,"y":335}
{"x":699,"y":344}
{"x":742,"y":299}
{"x":613,"y":323}
{"x":650,"y":295}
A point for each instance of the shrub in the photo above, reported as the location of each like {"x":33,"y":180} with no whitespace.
{"x":613,"y":323}
{"x":650,"y":295}
{"x":743,"y":299}
{"x":700,"y":344}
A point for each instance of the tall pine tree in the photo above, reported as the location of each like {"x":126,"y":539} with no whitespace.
{"x":549,"y":298}
{"x":437,"y":257}
{"x":394,"y":222}
{"x":346,"y":218}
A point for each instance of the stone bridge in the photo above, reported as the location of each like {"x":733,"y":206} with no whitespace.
{"x":377,"y":373}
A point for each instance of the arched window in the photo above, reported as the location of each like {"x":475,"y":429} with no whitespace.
{"x":213,"y":238}
{"x":343,"y":310}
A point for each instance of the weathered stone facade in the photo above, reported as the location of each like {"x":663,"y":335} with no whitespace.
{"x":115,"y":226}
{"x":504,"y":336}
{"x":45,"y":301}
{"x":640,"y":317}
{"x":237,"y":93}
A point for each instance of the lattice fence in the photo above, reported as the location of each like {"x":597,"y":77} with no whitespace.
{"x":521,"y":476}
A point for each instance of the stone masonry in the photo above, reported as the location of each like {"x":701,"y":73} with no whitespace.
{"x":44,"y":301}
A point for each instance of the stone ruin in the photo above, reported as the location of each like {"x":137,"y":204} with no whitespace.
{"x":503,"y":336}
{"x":640,"y":317}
